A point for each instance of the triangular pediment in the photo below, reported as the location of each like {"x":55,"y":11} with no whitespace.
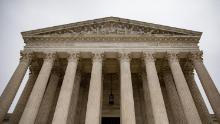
{"x":111,"y":26}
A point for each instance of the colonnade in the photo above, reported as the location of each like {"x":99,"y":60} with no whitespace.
{"x":29,"y":110}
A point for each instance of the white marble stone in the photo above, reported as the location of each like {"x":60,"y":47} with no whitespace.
{"x":127,"y":99}
{"x":47,"y":102}
{"x":207,"y":83}
{"x":63,"y":103}
{"x":157,"y":101}
{"x":94,"y":105}
{"x":185,"y":96}
{"x":33,"y":104}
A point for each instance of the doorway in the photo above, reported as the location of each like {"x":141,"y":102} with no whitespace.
{"x":110,"y":120}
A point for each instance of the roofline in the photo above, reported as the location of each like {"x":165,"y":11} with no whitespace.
{"x":99,"y":20}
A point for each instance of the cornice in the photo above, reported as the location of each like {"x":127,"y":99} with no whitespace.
{"x":158,"y":38}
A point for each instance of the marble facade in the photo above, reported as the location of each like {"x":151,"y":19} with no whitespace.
{"x":148,"y":68}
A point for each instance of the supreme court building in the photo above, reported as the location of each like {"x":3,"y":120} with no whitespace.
{"x":110,"y":71}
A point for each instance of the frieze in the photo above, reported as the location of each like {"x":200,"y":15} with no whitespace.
{"x":109,"y":45}
{"x":189,"y":39}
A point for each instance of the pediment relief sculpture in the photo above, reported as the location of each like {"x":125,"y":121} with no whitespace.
{"x":110,"y":28}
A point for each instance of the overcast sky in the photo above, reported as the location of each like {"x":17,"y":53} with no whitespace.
{"x":23,"y":15}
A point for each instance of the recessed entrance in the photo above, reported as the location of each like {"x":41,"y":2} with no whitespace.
{"x":110,"y":120}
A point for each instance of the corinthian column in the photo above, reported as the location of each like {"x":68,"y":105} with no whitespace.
{"x":186,"y":99}
{"x":74,"y":100}
{"x":207,"y":83}
{"x":176,"y":106}
{"x":94,"y":105}
{"x":147,"y":99}
{"x":16,"y":115}
{"x":63,"y":103}
{"x":47,"y":102}
{"x":13,"y":85}
{"x":157,"y":102}
{"x":198,"y":99}
{"x":33,"y":104}
{"x":127,"y":99}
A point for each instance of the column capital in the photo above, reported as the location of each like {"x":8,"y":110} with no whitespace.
{"x":97,"y":56}
{"x":50,"y":56}
{"x":124,"y":56}
{"x":172,"y":56}
{"x":196,"y":56}
{"x":26,"y":56}
{"x":148,"y":56}
{"x":73,"y":57}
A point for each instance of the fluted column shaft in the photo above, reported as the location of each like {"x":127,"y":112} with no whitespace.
{"x":13,"y":85}
{"x":19,"y":108}
{"x":74,"y":99}
{"x":186,"y":99}
{"x":47,"y":102}
{"x":207,"y":83}
{"x":127,"y":99}
{"x":173,"y":97}
{"x":63,"y":103}
{"x":94,"y":105}
{"x":157,"y":101}
{"x":147,"y":99}
{"x":33,"y":104}
{"x":198,"y":99}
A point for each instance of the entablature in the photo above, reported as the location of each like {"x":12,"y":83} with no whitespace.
{"x":123,"y":38}
{"x":112,"y":29}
